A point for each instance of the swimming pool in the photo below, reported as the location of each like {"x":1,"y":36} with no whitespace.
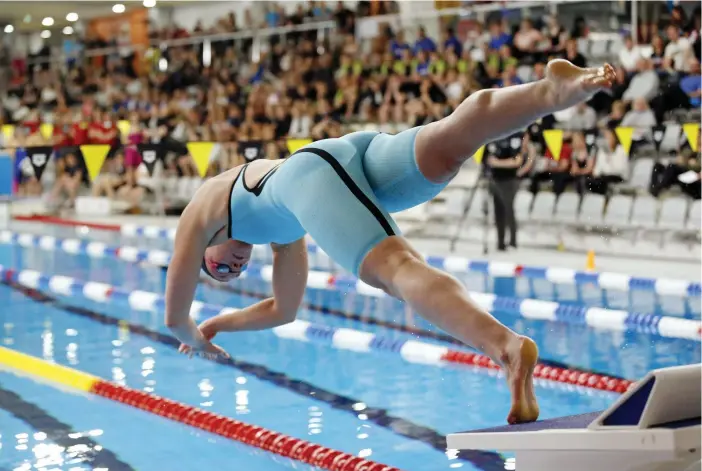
{"x":372,"y":403}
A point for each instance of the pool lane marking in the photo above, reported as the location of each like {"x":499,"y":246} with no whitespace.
{"x":40,"y":420}
{"x":411,"y":351}
{"x":533,"y":309}
{"x":484,"y":460}
{"x":259,"y":437}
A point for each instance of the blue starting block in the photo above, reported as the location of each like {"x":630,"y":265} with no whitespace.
{"x":655,"y":426}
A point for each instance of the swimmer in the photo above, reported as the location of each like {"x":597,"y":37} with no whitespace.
{"x":341,"y":192}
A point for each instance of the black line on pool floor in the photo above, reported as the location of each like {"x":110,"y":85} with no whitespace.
{"x":96,"y":455}
{"x":427,"y":334}
{"x":487,"y":461}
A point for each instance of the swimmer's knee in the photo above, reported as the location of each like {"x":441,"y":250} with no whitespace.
{"x":381,"y":265}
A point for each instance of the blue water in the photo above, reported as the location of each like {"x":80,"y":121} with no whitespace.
{"x":373,"y":404}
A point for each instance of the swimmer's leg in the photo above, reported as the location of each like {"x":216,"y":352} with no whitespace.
{"x":394,"y":266}
{"x":442,"y":147}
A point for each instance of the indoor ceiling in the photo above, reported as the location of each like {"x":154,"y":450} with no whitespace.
{"x":28,"y":15}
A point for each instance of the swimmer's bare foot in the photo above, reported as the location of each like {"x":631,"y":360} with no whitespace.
{"x":518,"y":361}
{"x":573,"y":84}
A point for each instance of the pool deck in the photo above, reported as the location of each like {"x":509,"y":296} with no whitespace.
{"x":644,"y":267}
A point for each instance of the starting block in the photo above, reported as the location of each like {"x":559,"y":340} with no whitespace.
{"x":655,"y":426}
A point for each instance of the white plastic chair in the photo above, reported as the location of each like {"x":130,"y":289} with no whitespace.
{"x":566,"y":211}
{"x":673,"y":214}
{"x":544,"y":203}
{"x":592,"y":210}
{"x":618,"y":211}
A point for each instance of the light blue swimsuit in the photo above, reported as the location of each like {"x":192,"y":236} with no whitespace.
{"x":340,"y":191}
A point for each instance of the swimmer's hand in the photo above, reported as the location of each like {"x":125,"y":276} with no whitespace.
{"x":207,"y":350}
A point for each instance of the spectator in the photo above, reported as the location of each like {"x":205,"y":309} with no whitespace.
{"x":70,"y":177}
{"x":498,"y":37}
{"x":582,"y":164}
{"x":547,"y":168}
{"x":642,"y":119}
{"x":666,"y":176}
{"x":399,"y":45}
{"x":611,"y":164}
{"x":451,"y":42}
{"x":615,"y":116}
{"x":685,"y":94}
{"x":629,"y":55}
{"x":657,"y":52}
{"x":644,"y":84}
{"x":676,"y":51}
{"x":572,"y":54}
{"x":556,"y":35}
{"x":424,"y":43}
{"x":526,"y":40}
{"x":583,"y":118}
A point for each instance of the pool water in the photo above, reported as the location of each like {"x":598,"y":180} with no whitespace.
{"x":373,"y":404}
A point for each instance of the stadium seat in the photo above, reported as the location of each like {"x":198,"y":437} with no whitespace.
{"x":591,"y":211}
{"x":694,"y":220}
{"x":566,"y":211}
{"x":671,"y":137}
{"x":673,"y":213}
{"x":641,"y":174}
{"x":522,"y":205}
{"x":618,"y":211}
{"x":544,"y":203}
{"x":644,"y":213}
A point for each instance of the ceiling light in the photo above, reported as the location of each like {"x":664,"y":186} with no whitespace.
{"x":67,"y":30}
{"x":72,"y":17}
{"x":46,"y":34}
{"x":149,"y":3}
{"x":9,"y":29}
{"x":48,"y":21}
{"x":118,"y":8}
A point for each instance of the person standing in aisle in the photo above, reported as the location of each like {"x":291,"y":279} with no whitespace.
{"x":504,"y":158}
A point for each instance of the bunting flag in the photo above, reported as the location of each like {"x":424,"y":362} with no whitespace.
{"x":8,"y":131}
{"x":296,"y":144}
{"x":591,"y":139}
{"x":658,"y":135}
{"x":251,"y":150}
{"x":624,"y":134}
{"x":38,"y":157}
{"x":94,"y":157}
{"x":150,"y":154}
{"x":692,"y":132}
{"x":124,"y":126}
{"x":202,"y":153}
{"x":478,"y":156}
{"x":46,"y":130}
{"x":554,"y":142}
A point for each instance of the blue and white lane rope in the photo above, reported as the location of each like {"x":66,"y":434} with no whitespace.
{"x":340,"y":338}
{"x":604,"y":280}
{"x":598,"y":318}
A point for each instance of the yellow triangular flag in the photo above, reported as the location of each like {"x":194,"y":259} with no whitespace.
{"x":8,"y":131}
{"x":94,"y":156}
{"x":296,"y":144}
{"x":124,"y":126}
{"x":478,"y":156}
{"x":201,"y":152}
{"x":624,"y":135}
{"x":46,"y":130}
{"x":692,"y":132}
{"x":554,"y":142}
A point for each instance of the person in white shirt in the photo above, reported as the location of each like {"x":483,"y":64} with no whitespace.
{"x":642,"y":119}
{"x":582,"y":118}
{"x":644,"y":84}
{"x":629,"y":55}
{"x":611,"y":164}
{"x":676,"y":51}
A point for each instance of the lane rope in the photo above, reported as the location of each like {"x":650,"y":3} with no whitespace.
{"x":411,"y":351}
{"x":252,"y":435}
{"x":534,"y":309}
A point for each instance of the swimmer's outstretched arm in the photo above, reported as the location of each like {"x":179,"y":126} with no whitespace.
{"x":201,"y":220}
{"x":290,"y":268}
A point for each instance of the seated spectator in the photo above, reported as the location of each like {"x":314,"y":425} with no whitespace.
{"x":583,"y":118}
{"x":527,"y":40}
{"x":615,"y":116}
{"x":424,"y":42}
{"x":629,"y":55}
{"x":611,"y":164}
{"x":676,"y":51}
{"x":642,"y":119}
{"x":665,"y":176}
{"x":70,"y":177}
{"x":657,"y":52}
{"x":556,"y":35}
{"x":557,"y":171}
{"x":451,"y":42}
{"x":644,"y":84}
{"x":498,"y":36}
{"x":685,"y":94}
{"x":582,"y":164}
{"x":572,"y":54}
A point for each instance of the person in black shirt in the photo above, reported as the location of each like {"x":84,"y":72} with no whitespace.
{"x":504,"y":158}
